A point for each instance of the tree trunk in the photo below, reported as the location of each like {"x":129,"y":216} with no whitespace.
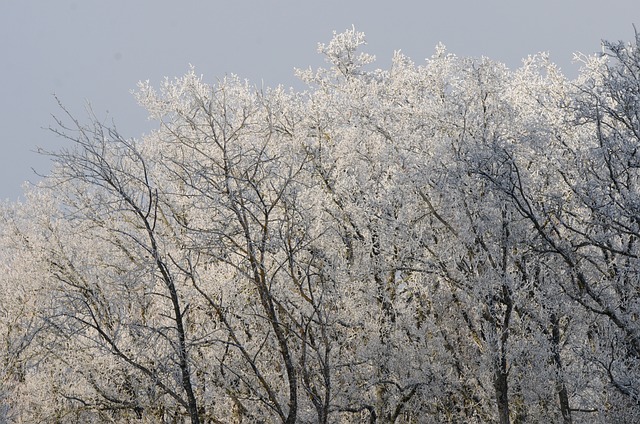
{"x":502,"y":394}
{"x":562,"y":389}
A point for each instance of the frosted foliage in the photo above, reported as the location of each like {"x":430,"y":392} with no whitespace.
{"x":442,"y":242}
{"x":342,"y":51}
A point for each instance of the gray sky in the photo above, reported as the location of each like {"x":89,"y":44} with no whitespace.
{"x":96,"y":51}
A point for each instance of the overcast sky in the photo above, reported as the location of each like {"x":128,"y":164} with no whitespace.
{"x":96,"y":51}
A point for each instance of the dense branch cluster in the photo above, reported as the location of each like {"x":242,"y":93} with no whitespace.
{"x":446,"y":242}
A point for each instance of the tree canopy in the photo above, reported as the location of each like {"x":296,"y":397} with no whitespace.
{"x":452,"y":241}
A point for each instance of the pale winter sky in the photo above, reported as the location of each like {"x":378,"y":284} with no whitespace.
{"x":96,"y":51}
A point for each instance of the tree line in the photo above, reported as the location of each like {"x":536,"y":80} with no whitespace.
{"x":438,"y":243}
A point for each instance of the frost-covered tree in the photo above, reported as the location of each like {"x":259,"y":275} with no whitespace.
{"x":449,"y":241}
{"x":603,"y":226}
